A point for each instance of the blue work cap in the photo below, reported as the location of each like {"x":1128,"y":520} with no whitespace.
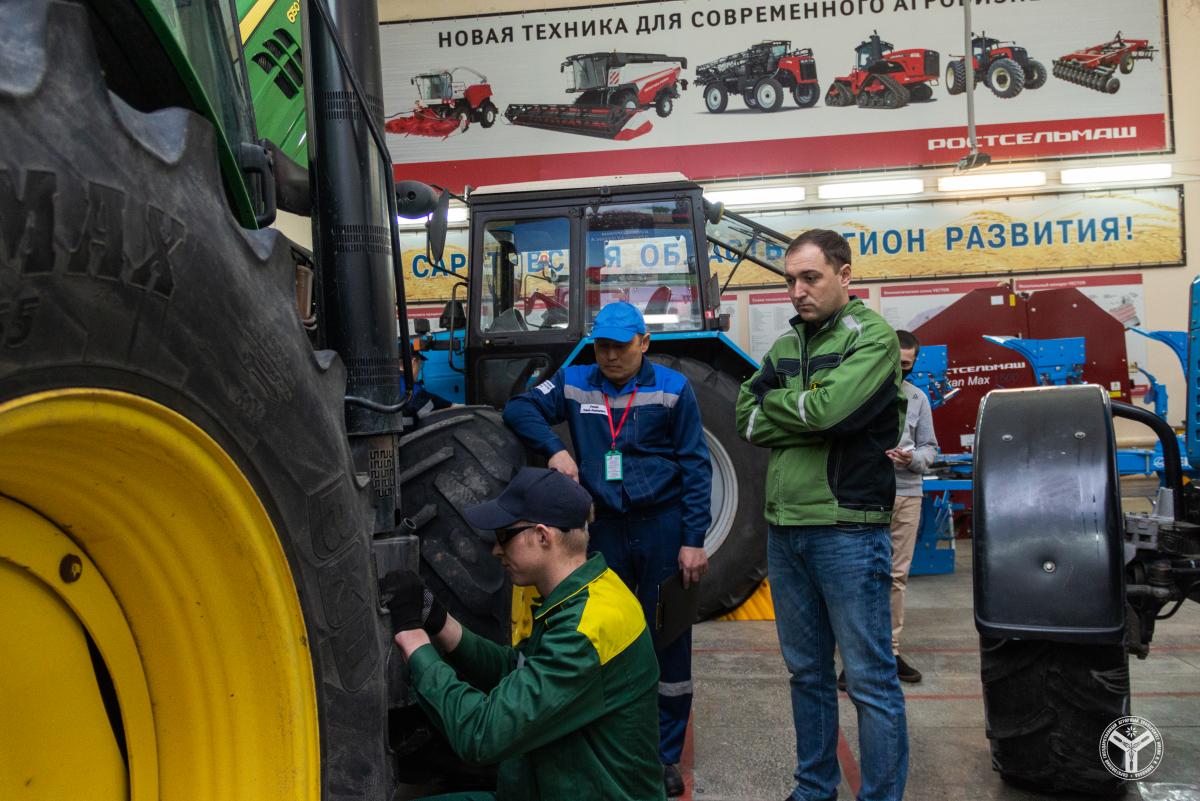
{"x":619,"y":321}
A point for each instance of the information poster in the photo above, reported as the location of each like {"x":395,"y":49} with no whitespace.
{"x":682,"y":85}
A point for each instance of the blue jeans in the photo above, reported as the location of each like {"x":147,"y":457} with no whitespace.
{"x":831,"y":586}
{"x":643,"y":549}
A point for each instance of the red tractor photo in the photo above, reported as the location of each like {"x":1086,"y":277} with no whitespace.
{"x":445,"y":105}
{"x":761,"y":75}
{"x":886,"y":78}
{"x":1004,"y":67}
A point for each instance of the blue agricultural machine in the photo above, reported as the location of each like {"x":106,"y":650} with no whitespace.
{"x":546,"y":256}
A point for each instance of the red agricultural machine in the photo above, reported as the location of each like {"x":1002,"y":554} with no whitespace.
{"x":886,"y":78}
{"x":612,"y":87}
{"x":760,"y":75}
{"x":1094,"y":67}
{"x":445,"y":105}
{"x":1004,"y":67}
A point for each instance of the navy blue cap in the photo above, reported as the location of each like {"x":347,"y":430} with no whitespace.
{"x":538,"y":495}
{"x":619,"y":321}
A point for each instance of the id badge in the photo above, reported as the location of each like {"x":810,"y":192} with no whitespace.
{"x":612,"y":466}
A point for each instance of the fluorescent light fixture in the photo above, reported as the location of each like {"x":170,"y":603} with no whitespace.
{"x":898,"y":186}
{"x":992,"y":180}
{"x":764,"y":196}
{"x":1115,"y":174}
{"x":455,"y":214}
{"x":660,"y":319}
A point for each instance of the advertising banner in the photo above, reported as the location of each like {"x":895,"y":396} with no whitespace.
{"x":733,"y":88}
{"x":996,"y":236}
{"x":899,"y":241}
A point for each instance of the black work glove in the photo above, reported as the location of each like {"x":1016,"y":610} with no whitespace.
{"x":410,"y":603}
{"x":766,"y":381}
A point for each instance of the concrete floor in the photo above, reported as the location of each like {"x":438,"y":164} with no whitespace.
{"x":743,"y":745}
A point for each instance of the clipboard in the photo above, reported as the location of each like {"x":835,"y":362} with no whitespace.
{"x":676,"y":610}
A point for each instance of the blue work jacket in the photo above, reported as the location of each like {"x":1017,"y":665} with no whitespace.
{"x":664,"y":456}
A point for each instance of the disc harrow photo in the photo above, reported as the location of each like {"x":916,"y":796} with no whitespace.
{"x":1095,"y":67}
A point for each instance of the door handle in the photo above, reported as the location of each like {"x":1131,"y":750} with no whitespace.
{"x":501,"y":341}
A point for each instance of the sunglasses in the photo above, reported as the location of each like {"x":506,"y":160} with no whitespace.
{"x":504,"y":535}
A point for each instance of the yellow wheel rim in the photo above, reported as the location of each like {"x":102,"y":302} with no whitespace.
{"x":182,"y":585}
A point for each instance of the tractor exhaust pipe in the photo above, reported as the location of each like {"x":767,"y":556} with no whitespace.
{"x":353,"y":231}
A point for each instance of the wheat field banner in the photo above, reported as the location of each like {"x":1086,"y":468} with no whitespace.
{"x":992,"y":236}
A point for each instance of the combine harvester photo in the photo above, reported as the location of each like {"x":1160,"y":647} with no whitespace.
{"x":613,"y":87}
{"x":445,"y":105}
{"x":886,"y":78}
{"x":1094,"y":67}
{"x":760,"y":75}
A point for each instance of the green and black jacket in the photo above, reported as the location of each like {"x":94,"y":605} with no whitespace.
{"x":827,"y":401}
{"x":571,"y":712}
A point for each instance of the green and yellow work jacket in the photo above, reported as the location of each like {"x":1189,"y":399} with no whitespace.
{"x":827,"y":401}
{"x":571,"y":713}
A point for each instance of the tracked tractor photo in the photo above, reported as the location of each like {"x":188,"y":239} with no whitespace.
{"x":1093,"y":578}
{"x":1096,"y":67}
{"x":886,"y":78}
{"x":1004,"y":67}
{"x":612,"y":87}
{"x":762,"y":75}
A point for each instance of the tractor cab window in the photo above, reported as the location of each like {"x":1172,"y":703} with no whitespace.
{"x":644,"y":253}
{"x":779,"y":50}
{"x":526,"y":275}
{"x":589,"y":73}
{"x":433,"y":87}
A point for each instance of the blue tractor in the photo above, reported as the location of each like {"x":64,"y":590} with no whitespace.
{"x":1067,"y":584}
{"x":545,"y":257}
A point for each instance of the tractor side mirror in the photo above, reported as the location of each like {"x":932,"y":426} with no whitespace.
{"x":713,"y":210}
{"x":415,"y":199}
{"x":714,"y":291}
{"x":454,"y":316}
{"x":421,"y":326}
{"x":435,"y":229}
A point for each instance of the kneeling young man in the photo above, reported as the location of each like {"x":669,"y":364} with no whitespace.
{"x":572,"y":711}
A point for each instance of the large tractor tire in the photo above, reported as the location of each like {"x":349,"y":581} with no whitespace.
{"x":806,"y":95}
{"x":716,"y":97}
{"x":839,"y":95}
{"x":487,"y":114}
{"x":1005,"y":78}
{"x":956,"y":77}
{"x":768,"y":94}
{"x":1047,"y":705}
{"x":920,"y":93}
{"x":1035,"y":74}
{"x":737,"y":541}
{"x":174,"y":457}
{"x":456,"y":458}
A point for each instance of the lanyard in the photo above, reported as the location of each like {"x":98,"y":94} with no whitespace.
{"x":616,"y":431}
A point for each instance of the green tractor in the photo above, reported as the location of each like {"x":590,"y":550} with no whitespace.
{"x":204,"y":461}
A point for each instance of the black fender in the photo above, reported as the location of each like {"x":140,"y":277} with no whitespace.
{"x":1049,"y":534}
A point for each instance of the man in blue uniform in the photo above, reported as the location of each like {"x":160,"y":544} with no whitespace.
{"x":642,"y":456}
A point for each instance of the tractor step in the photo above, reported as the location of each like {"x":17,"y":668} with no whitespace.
{"x":604,"y":122}
{"x":1099,"y":78}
